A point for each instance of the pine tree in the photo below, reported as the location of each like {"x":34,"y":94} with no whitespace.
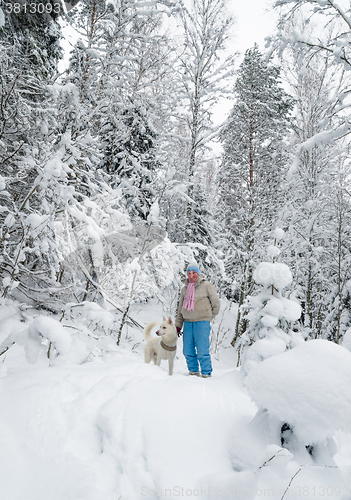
{"x":254,"y":162}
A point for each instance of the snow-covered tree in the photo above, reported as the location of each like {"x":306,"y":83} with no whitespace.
{"x":329,"y":39}
{"x":29,"y":53}
{"x":36,"y":38}
{"x":129,"y":157}
{"x":253,"y":167}
{"x":337,"y":304}
{"x":270,"y":315}
{"x":119,"y":66}
{"x":314,"y":183}
{"x":203,"y":68}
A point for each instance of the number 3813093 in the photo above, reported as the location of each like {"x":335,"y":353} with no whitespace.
{"x":32,"y":8}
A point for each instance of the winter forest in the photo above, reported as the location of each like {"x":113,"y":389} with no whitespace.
{"x":160,"y":144}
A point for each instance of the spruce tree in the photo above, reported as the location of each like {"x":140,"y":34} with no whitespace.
{"x":130,"y":159}
{"x":29,"y":54}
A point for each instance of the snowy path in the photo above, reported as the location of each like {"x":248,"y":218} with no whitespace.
{"x":106,"y":430}
{"x":117,"y":429}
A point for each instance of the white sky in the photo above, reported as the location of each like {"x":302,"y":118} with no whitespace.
{"x":253,"y":24}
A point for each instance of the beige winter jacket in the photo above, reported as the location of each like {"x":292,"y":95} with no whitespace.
{"x":206,"y":303}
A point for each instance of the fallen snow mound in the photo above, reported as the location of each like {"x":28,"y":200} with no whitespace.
{"x":307,"y":387}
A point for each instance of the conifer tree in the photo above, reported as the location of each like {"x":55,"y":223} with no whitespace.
{"x":129,"y":158}
{"x":253,"y":165}
{"x":29,"y":53}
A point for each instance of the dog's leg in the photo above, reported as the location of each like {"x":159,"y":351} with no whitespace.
{"x":170,"y":366}
{"x":147,"y":357}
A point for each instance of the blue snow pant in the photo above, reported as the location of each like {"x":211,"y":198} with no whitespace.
{"x":196,"y":346}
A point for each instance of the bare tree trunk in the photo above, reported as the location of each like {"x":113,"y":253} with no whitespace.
{"x":192,"y":163}
{"x":309,"y":315}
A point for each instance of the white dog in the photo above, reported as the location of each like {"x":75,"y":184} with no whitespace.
{"x":162,"y":347}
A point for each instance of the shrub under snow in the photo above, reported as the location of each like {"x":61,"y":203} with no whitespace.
{"x":309,"y":387}
{"x":270,"y":316}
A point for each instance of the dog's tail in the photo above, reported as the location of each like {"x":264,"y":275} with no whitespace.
{"x":148,"y":329}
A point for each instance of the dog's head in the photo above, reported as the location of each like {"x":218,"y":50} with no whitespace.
{"x":164,"y":328}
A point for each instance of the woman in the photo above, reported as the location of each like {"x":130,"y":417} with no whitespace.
{"x":198,"y":305}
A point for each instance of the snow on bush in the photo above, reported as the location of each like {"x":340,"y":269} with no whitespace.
{"x":93,"y":316}
{"x":273,"y":273}
{"x":307,"y":387}
{"x":52,"y":330}
{"x":278,"y":233}
{"x":270,"y":316}
{"x":273,"y":251}
{"x":82,"y":332}
{"x":281,"y":308}
{"x":40,"y":335}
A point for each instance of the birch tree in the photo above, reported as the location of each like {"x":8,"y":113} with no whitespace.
{"x":29,"y":53}
{"x":330,"y":38}
{"x":203,"y":69}
{"x":315,"y":183}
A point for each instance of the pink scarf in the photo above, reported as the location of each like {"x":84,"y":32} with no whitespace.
{"x":189,"y":297}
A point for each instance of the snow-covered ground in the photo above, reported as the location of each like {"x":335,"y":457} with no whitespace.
{"x":115,"y":428}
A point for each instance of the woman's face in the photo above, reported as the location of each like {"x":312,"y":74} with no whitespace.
{"x":192,"y":275}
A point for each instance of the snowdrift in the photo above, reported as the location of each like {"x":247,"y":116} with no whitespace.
{"x":308,"y":387}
